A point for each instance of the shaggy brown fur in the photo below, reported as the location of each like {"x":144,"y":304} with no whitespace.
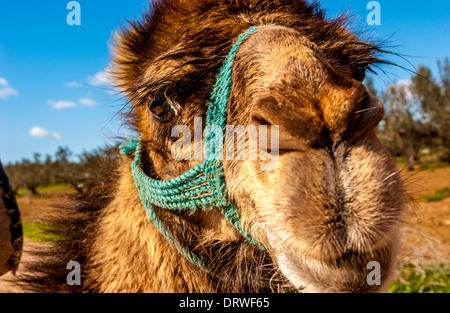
{"x":333,"y":204}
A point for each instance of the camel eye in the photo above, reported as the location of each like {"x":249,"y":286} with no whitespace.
{"x":161,"y":109}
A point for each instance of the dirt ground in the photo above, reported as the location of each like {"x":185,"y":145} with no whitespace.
{"x":427,"y":228}
{"x":6,"y":281}
{"x":425,"y":234}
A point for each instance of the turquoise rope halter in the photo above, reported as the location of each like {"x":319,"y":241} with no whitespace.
{"x":203,"y":186}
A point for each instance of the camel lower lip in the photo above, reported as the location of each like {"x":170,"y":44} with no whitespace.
{"x":347,"y":275}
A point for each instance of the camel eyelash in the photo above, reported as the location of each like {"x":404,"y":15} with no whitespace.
{"x":163,"y":108}
{"x":176,"y":107}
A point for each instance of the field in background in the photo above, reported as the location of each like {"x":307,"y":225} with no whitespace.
{"x":425,"y":254}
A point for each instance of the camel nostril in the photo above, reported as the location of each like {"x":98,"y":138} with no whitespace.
{"x":365,"y":101}
{"x":265,"y":112}
{"x":259,"y":120}
{"x":324,"y":142}
{"x":371,"y":111}
{"x":366,"y":115}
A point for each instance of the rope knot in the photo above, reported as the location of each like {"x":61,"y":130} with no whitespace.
{"x":129,"y":148}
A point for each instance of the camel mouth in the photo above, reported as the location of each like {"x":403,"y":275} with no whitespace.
{"x":353,"y":273}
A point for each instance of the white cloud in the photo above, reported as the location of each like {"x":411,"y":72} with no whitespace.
{"x":404,"y":86}
{"x":102,"y":78}
{"x":6,"y":90}
{"x":40,"y":132}
{"x":87,"y":101}
{"x":73,"y":84}
{"x":62,"y":104}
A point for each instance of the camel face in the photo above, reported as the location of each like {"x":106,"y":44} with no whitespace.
{"x":334,"y":200}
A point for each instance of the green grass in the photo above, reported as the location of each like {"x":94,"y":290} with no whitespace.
{"x":42,"y":190}
{"x":422,"y":279}
{"x":38,"y":232}
{"x":437,"y":196}
{"x":53,"y":188}
{"x":399,"y":161}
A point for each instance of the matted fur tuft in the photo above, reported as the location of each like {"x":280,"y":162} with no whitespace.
{"x":71,"y":226}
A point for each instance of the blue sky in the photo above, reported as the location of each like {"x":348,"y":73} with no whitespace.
{"x":53,"y":93}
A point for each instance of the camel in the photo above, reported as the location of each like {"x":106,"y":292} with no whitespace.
{"x":333,"y":204}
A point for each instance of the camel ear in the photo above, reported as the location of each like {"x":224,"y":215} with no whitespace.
{"x":126,"y":57}
{"x":133,"y":46}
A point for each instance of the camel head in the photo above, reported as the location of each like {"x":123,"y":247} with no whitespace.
{"x":325,"y":198}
